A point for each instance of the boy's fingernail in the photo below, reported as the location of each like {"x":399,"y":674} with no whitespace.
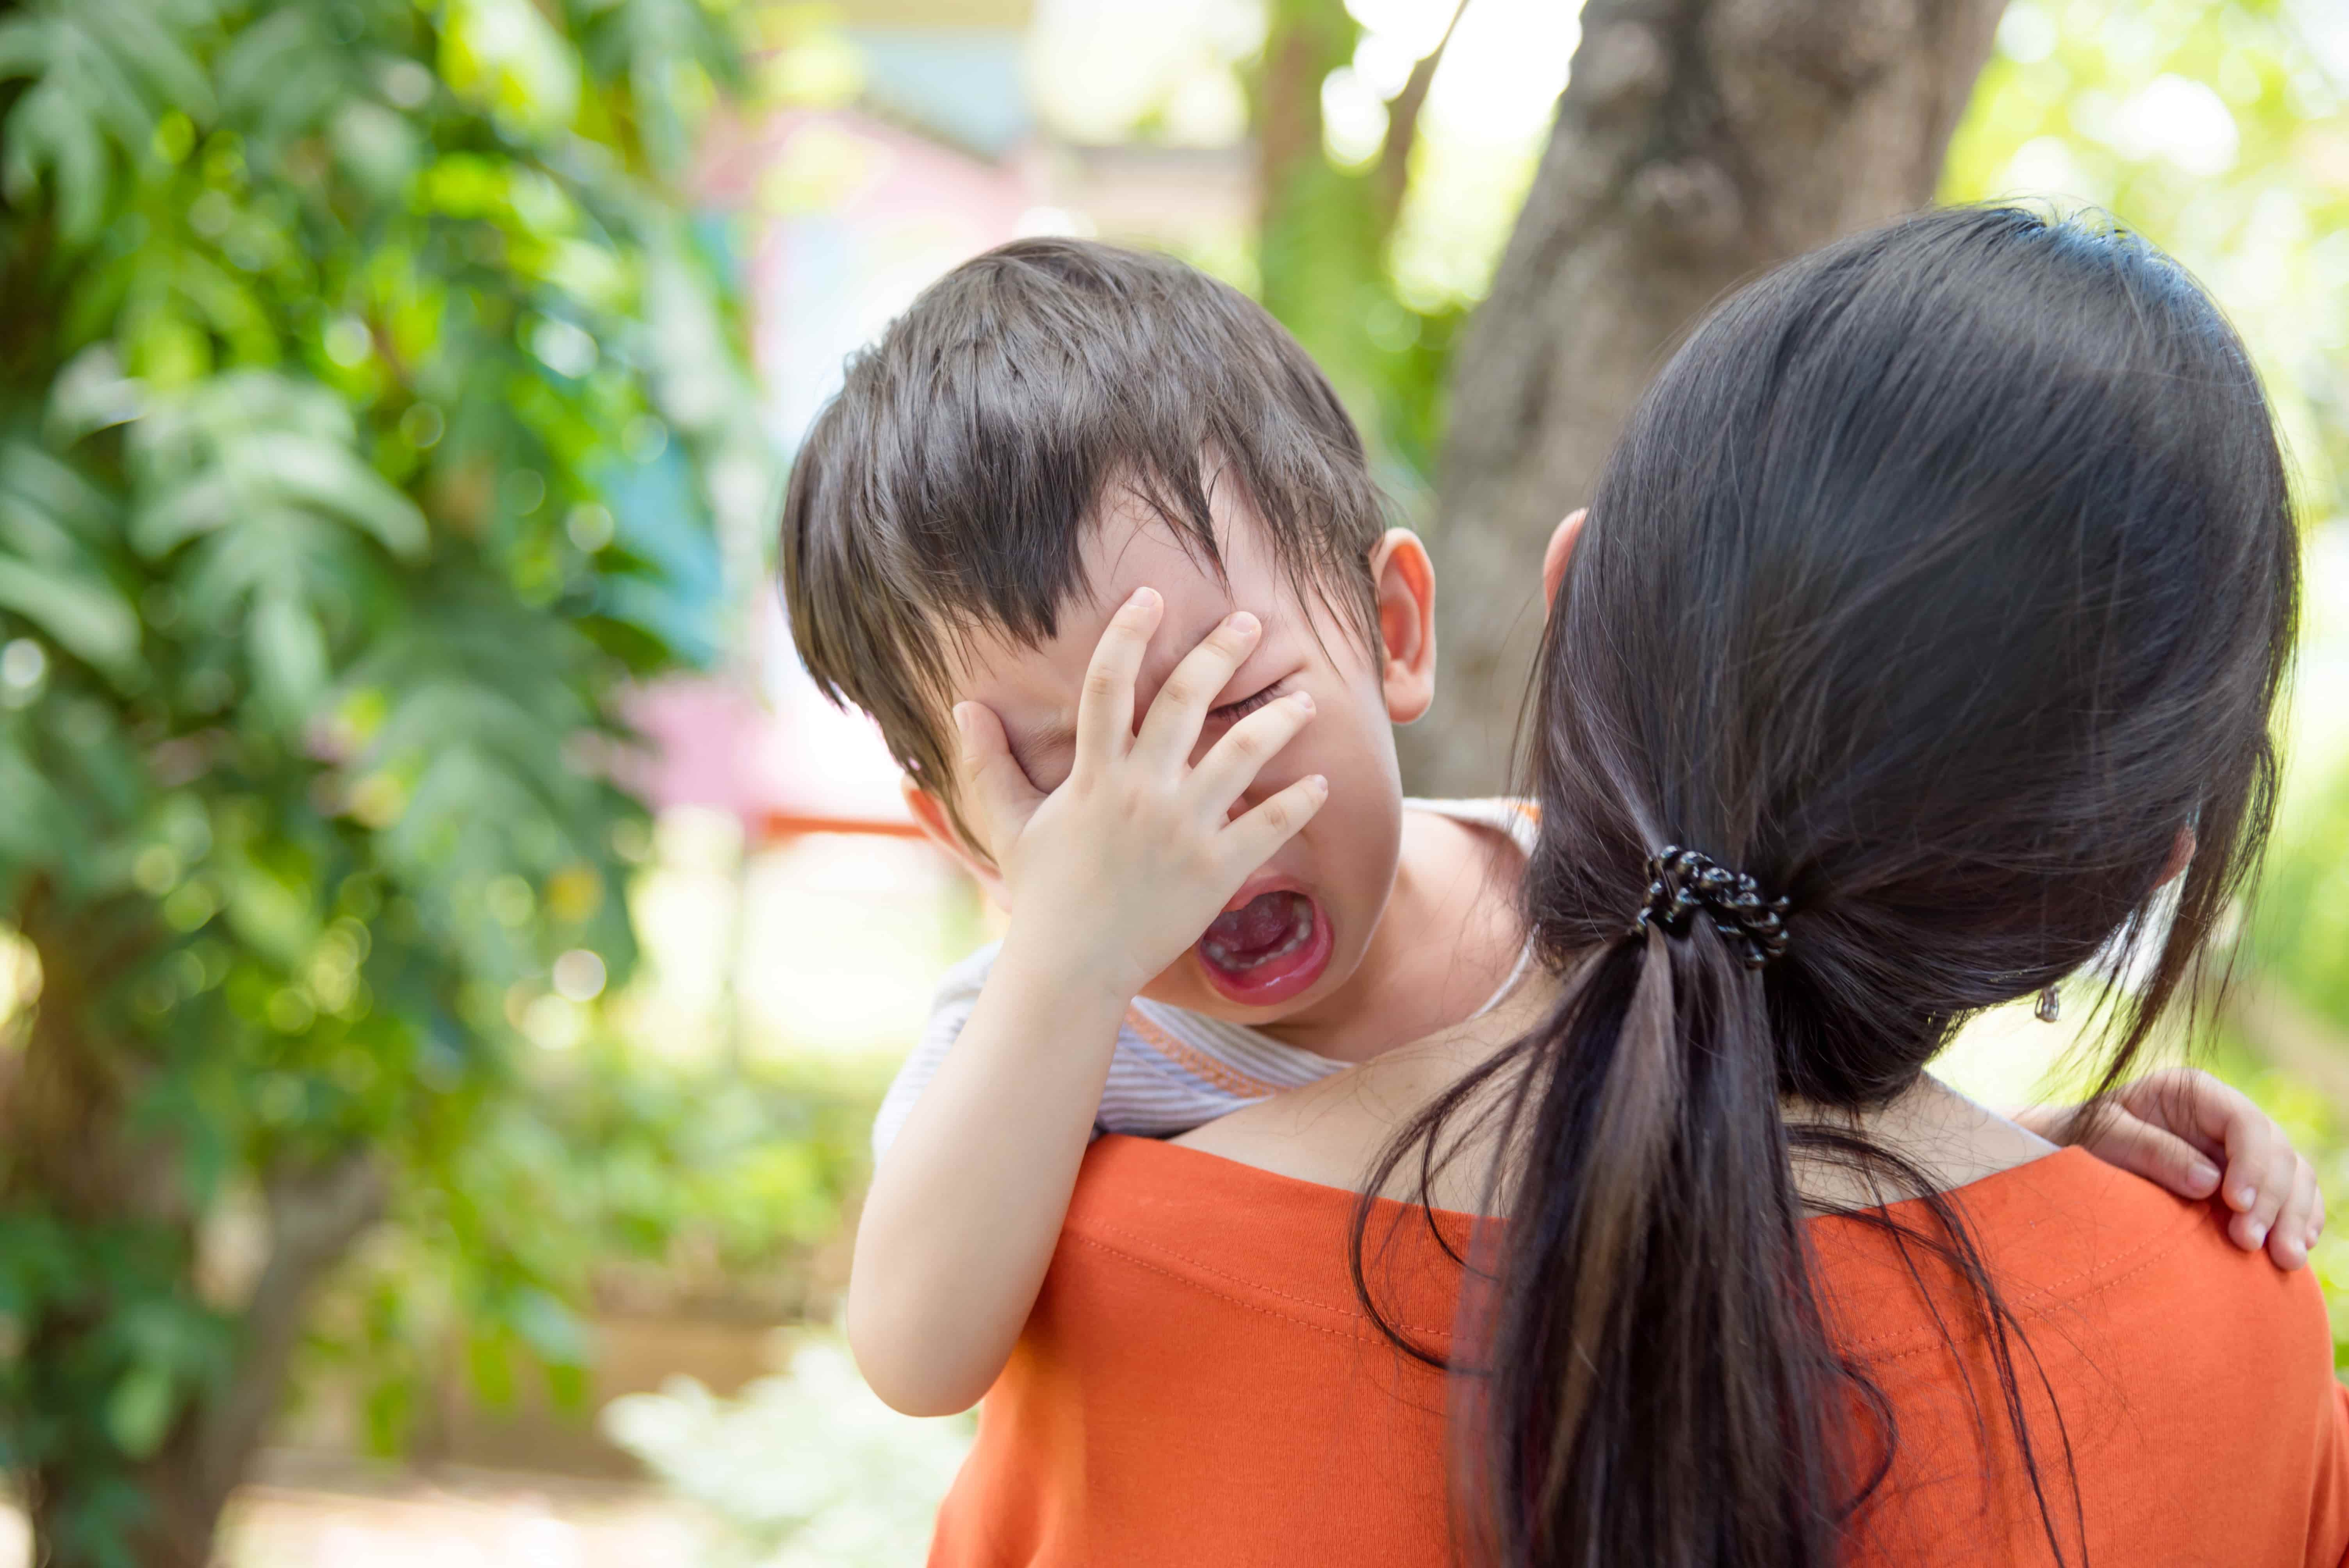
{"x":2244,"y":1196}
{"x":1321,"y":784}
{"x":962,"y":719}
{"x":2202,"y":1177}
{"x":1144,"y":598}
{"x":1241,"y":622}
{"x":2259,"y":1235}
{"x":1304,"y":700}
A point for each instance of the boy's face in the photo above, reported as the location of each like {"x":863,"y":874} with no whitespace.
{"x":1299,"y":927}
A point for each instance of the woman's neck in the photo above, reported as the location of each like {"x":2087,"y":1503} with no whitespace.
{"x":1329,"y":1132}
{"x":1944,"y":1136}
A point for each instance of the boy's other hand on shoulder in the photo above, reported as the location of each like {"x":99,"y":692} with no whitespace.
{"x":2181,"y":1128}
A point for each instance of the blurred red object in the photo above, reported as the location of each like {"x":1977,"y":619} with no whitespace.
{"x":783,"y":762}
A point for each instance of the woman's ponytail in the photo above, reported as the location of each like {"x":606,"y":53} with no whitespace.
{"x":1655,"y":1360}
{"x":1656,"y":1381}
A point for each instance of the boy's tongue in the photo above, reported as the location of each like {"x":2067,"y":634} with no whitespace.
{"x":1239,"y":938}
{"x":1274,"y":947}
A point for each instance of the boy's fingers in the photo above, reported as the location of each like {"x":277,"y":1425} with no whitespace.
{"x":1105,"y":706}
{"x":2162,"y":1157}
{"x":1171,"y":727}
{"x":999,"y":788}
{"x":2270,"y":1182}
{"x":2288,"y":1237}
{"x":2259,"y":1159}
{"x":1256,"y":835}
{"x":2195,"y":1106}
{"x":1233,"y":763}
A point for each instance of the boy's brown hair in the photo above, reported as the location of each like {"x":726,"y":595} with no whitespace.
{"x":944,"y":492}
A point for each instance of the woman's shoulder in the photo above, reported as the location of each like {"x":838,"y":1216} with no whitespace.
{"x":2186,"y":1385}
{"x":1327,"y":1133}
{"x":2066,"y":1229}
{"x":1331,"y":1133}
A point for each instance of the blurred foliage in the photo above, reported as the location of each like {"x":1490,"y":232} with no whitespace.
{"x":1325,"y":236}
{"x":2213,"y":127}
{"x":806,"y":1470}
{"x":2301,"y":934}
{"x":370,"y":413}
{"x":2319,"y":1127}
{"x":646,"y":1188}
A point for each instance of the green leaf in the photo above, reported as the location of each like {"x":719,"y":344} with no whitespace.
{"x":278,"y":919}
{"x":45,"y":131}
{"x":83,"y":614}
{"x":27,"y":45}
{"x":67,"y":500}
{"x":334,"y":479}
{"x":33,"y":827}
{"x":288,"y":654}
{"x":255,"y":441}
{"x":376,"y":146}
{"x":138,"y":1409}
{"x":153,"y":51}
{"x":266,"y":56}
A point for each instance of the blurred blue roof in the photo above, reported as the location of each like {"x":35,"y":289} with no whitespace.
{"x":962,"y":85}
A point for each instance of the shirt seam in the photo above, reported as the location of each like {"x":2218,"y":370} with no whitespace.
{"x":2045,"y":1300}
{"x":1359,"y":1333}
{"x":1196,"y":1062}
{"x":1240,"y":1280}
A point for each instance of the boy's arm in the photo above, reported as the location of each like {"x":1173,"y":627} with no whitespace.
{"x":2178,"y":1127}
{"x":950,"y":1010}
{"x":1108,"y":878}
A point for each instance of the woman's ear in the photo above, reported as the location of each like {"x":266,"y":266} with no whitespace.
{"x":1404,"y":580}
{"x":2181,"y":855}
{"x":938,"y":825}
{"x":1560,"y":550}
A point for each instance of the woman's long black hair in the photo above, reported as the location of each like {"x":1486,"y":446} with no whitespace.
{"x":1943,"y":583}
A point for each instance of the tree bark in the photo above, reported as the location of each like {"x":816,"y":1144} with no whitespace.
{"x":69,"y":1143}
{"x":1698,"y":142}
{"x":316,"y":1215}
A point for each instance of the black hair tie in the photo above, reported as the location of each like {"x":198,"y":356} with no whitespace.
{"x":1681,"y":881}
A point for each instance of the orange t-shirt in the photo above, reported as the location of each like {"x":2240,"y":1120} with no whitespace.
{"x":1197,"y":1386}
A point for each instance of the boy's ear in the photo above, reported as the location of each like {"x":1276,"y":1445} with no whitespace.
{"x":1405,"y":582}
{"x":1558,"y":551}
{"x":937,"y":826}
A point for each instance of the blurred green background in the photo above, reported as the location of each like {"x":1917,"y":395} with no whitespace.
{"x":448,"y":956}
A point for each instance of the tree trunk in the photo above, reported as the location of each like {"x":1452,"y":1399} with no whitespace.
{"x":316,"y":1215}
{"x":71,"y":1143}
{"x":1698,"y":142}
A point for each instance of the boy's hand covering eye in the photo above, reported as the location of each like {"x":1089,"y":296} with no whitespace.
{"x":2186,"y":1130}
{"x":1114,"y":874}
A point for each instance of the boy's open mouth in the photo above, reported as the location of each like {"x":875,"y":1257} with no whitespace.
{"x":1270,"y":948}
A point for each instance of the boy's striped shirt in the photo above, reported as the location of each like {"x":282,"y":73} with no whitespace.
{"x":1172,"y":1070}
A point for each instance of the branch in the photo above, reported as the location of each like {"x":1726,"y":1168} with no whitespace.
{"x":1402,"y":128}
{"x":315,"y":1213}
